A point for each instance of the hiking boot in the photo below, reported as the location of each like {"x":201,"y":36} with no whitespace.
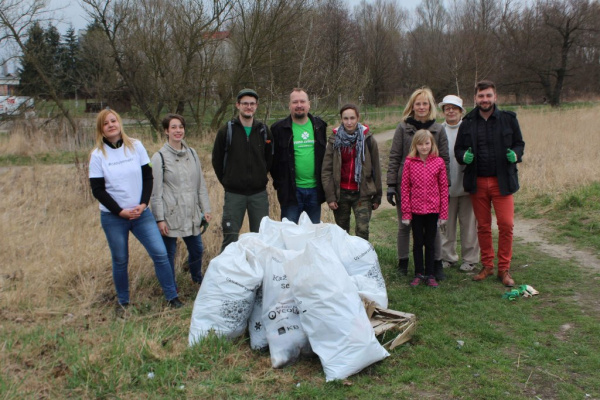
{"x":417,"y":280}
{"x":484,"y":273}
{"x":403,"y":266}
{"x":438,"y":270}
{"x":175,"y":303}
{"x":447,"y":264}
{"x":467,"y":267}
{"x":120,"y":310}
{"x":431,"y":282}
{"x":506,"y":279}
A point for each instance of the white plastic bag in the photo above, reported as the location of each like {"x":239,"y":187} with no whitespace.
{"x":360,"y":261}
{"x":226,"y":297}
{"x":295,"y":236}
{"x":286,"y":338}
{"x":256,"y":327}
{"x":270,"y":231}
{"x":332,"y":313}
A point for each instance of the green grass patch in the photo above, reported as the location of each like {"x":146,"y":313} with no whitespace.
{"x":574,"y":214}
{"x":545,"y":346}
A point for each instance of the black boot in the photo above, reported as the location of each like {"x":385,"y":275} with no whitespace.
{"x":438,"y":270}
{"x":403,"y":266}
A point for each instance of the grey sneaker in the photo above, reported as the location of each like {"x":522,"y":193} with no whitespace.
{"x":467,"y":267}
{"x":446,"y":264}
{"x":121,"y":310}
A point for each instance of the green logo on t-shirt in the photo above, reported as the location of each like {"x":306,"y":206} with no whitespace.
{"x":304,"y":152}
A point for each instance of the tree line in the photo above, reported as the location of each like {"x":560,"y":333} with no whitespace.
{"x":192,"y":56}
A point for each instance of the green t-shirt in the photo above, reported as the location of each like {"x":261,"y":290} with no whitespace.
{"x":304,"y":153}
{"x":248,"y":129}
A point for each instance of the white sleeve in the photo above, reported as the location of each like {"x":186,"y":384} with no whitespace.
{"x":95,"y":167}
{"x":143,"y":154}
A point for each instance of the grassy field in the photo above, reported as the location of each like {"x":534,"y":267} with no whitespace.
{"x":59,"y":337}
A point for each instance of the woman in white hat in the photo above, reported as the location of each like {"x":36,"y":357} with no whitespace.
{"x":460,"y":207}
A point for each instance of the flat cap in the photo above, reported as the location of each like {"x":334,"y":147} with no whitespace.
{"x":247,"y":92}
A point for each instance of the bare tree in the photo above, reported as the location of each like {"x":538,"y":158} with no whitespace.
{"x":380,"y":39}
{"x":335,"y":71}
{"x":479,"y":20}
{"x":16,"y":17}
{"x":157,"y":47}
{"x":428,"y":46}
{"x":262,"y":51}
{"x":541,"y":41}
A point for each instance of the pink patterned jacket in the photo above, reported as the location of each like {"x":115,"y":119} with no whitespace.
{"x":424,"y":187}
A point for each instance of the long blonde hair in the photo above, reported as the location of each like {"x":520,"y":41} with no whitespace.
{"x":421,"y":137}
{"x":127,"y":141}
{"x":408,"y":109}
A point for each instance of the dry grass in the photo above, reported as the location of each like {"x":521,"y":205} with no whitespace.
{"x":55,"y":253}
{"x":562,"y":150}
{"x":56,"y":267}
{"x":29,"y":138}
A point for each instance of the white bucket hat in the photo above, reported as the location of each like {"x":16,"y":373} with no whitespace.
{"x":452,"y":99}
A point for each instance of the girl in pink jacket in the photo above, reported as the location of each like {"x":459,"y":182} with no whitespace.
{"x":424,"y":194}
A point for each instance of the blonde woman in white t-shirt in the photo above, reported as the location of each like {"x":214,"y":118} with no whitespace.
{"x":121,"y":179}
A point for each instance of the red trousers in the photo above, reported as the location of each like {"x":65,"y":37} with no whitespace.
{"x":488,"y":195}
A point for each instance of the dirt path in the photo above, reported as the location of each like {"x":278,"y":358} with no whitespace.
{"x":533,"y":231}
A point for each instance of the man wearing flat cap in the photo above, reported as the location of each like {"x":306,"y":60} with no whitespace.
{"x":460,"y":208}
{"x":241,"y":157}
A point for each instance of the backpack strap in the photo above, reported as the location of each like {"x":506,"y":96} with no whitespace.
{"x":162,"y":159}
{"x":263,"y":129}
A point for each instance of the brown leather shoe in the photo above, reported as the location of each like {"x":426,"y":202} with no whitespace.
{"x":506,"y":279}
{"x":484,"y":273}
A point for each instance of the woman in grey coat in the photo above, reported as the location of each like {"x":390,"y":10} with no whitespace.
{"x":179,"y":200}
{"x":419,"y":113}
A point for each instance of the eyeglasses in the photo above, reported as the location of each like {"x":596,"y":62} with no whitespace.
{"x":248,"y":104}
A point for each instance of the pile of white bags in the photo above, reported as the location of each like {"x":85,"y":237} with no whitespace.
{"x":298,"y":288}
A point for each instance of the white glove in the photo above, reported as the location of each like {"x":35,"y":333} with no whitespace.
{"x":406,"y":222}
{"x":442,"y":226}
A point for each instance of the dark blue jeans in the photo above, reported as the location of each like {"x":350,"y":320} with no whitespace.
{"x":195,"y":250}
{"x":307,"y":201}
{"x":146,"y":231}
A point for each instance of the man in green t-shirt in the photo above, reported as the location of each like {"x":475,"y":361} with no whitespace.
{"x":300,"y":141}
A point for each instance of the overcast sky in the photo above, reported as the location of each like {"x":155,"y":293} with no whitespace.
{"x":72,"y":13}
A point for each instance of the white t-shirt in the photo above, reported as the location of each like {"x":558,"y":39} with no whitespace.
{"x":122,"y":173}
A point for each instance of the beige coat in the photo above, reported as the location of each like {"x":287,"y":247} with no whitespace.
{"x":179,"y":194}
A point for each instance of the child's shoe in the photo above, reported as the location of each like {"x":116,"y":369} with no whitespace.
{"x":431,"y":282}
{"x":417,"y":281}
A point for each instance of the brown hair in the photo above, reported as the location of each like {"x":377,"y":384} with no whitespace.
{"x":349,"y":106}
{"x":127,"y":141}
{"x":485,"y":84}
{"x":167,"y":120}
{"x":421,"y":137}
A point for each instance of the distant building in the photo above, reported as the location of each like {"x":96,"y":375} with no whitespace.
{"x":9,"y":85}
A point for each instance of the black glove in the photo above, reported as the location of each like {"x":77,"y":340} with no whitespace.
{"x":392,"y":195}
